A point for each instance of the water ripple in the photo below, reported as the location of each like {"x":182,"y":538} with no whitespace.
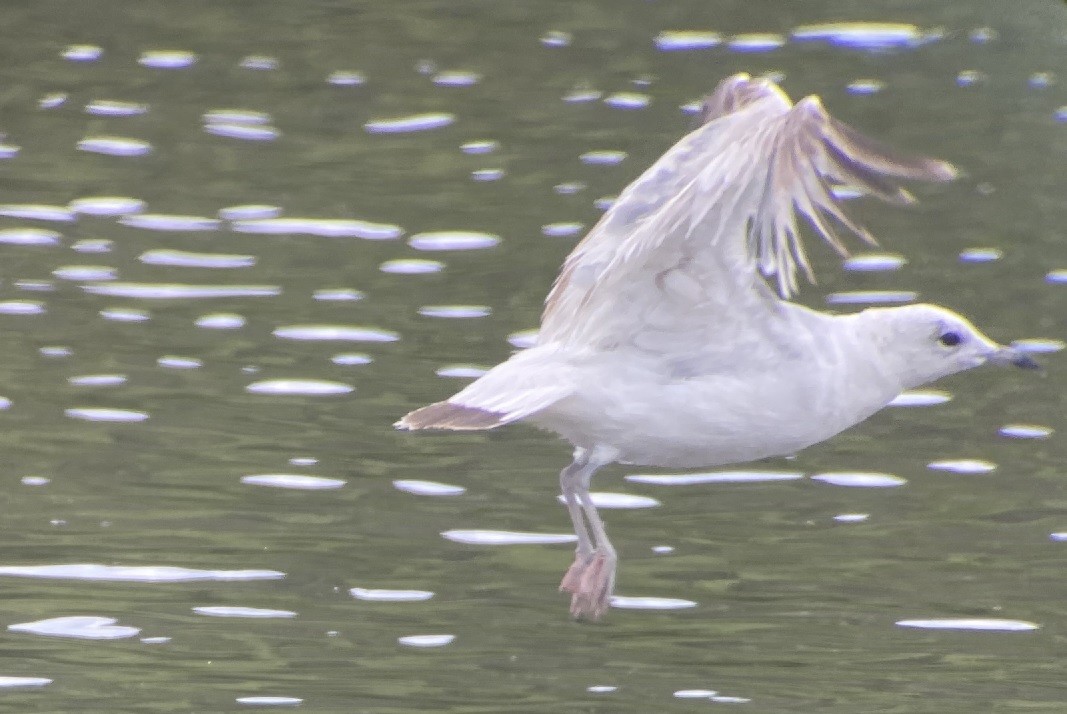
{"x":871,"y":297}
{"x":455,"y":312}
{"x":874,"y":262}
{"x":82,"y":53}
{"x":268,"y":701}
{"x":220,"y":321}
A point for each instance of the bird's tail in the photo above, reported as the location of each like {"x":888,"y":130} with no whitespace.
{"x":514,"y":390}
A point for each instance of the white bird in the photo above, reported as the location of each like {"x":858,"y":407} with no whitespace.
{"x":660,"y":342}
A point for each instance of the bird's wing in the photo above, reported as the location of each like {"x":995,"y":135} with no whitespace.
{"x":681,"y":251}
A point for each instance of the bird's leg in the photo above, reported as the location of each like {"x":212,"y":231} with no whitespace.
{"x":583,"y":554}
{"x":593,"y":595}
{"x":591,"y":578}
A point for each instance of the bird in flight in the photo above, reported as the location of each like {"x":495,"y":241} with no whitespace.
{"x":662,"y":343}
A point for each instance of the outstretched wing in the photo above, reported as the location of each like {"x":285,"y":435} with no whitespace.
{"x":679,"y":255}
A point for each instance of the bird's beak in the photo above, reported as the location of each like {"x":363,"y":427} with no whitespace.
{"x":1013,"y":356}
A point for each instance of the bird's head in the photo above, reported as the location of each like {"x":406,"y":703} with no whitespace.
{"x":930,"y":342}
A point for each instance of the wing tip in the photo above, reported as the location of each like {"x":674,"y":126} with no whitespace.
{"x":451,"y":417}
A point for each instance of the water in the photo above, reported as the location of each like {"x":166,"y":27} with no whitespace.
{"x":214,"y":305}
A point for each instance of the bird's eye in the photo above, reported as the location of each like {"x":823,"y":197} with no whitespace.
{"x":950,"y":339}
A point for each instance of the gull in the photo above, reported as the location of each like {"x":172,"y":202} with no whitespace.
{"x":662,"y":343}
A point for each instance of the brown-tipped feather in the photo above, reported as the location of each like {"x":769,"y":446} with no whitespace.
{"x":455,"y":417}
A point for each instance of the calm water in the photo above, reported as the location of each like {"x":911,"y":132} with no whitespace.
{"x":240,"y":239}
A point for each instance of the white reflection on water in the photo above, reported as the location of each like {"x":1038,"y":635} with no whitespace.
{"x":167,"y":59}
{"x":453,"y":240}
{"x":985,"y":624}
{"x":85,"y":627}
{"x":1025,"y":431}
{"x":623,"y":602}
{"x":266,"y":701}
{"x":21,"y":307}
{"x":921,"y":398}
{"x":10,"y":682}
{"x":755,"y":42}
{"x":125,"y":314}
{"x":114,"y":146}
{"x":383,"y":595}
{"x":295,"y":481}
{"x":238,"y":611}
{"x":29,"y":236}
{"x":187,"y":259}
{"x":244,"y":132}
{"x":97,"y":380}
{"x":963,"y":466}
{"x":490,"y":537}
{"x":106,"y":205}
{"x":169,"y":222}
{"x":428,"y":488}
{"x":37,"y":212}
{"x":426,"y":640}
{"x":179,"y":291}
{"x":686,"y":40}
{"x":871,"y":36}
{"x":715,"y":477}
{"x":874,"y":262}
{"x":103,"y":414}
{"x":324,"y":227}
{"x":112,"y":108}
{"x":622,"y":501}
{"x":302,"y":387}
{"x":249,"y":212}
{"x":860,"y":479}
{"x":220,"y":321}
{"x":411,"y":266}
{"x":134,"y":573}
{"x":411,"y":123}
{"x":336,"y":333}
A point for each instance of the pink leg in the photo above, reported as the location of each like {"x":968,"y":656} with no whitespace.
{"x":591,"y":578}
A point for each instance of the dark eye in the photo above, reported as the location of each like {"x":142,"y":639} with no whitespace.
{"x":950,"y":339}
